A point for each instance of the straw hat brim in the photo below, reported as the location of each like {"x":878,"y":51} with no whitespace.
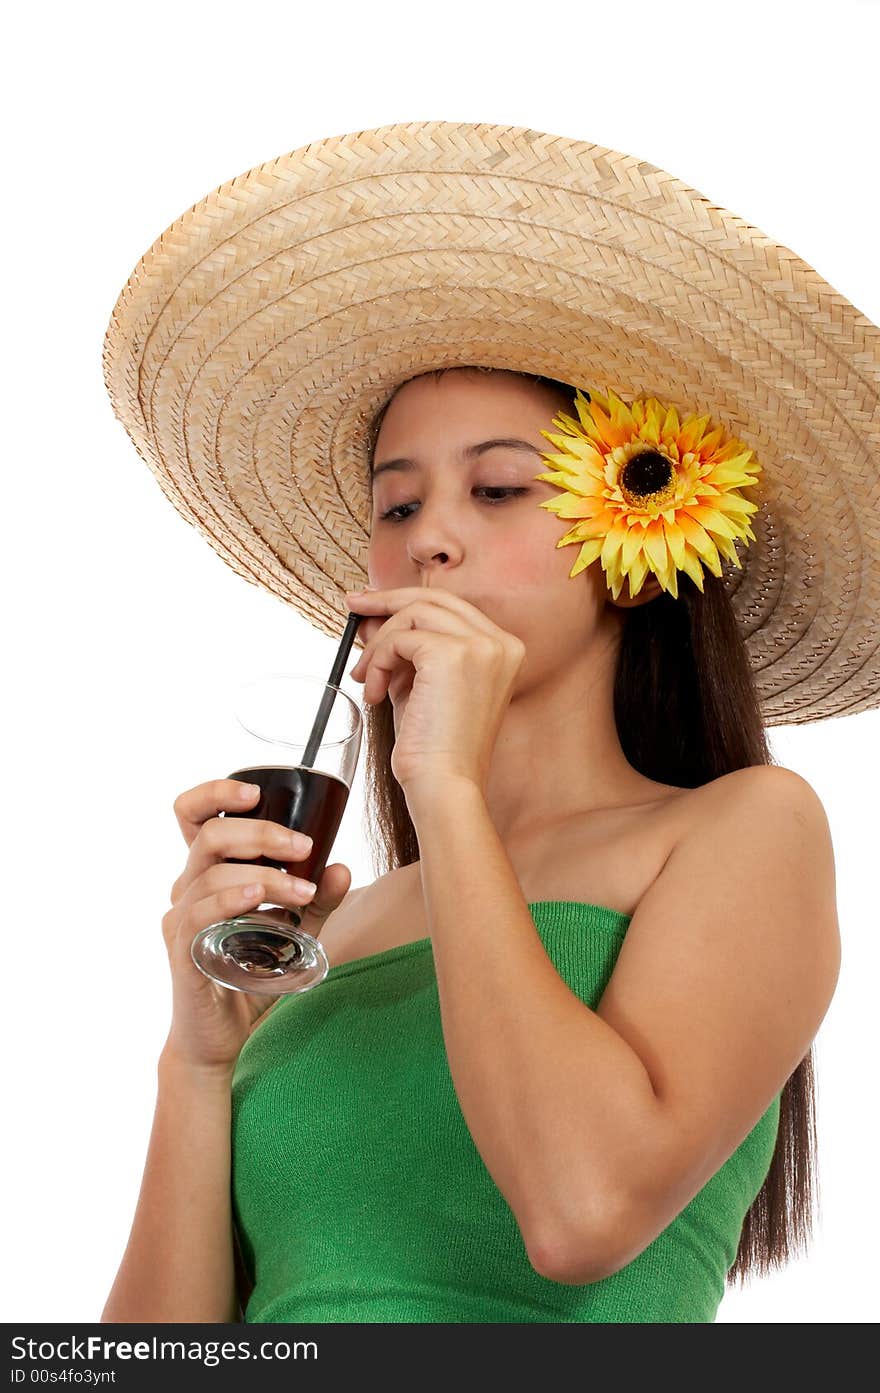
{"x":253,"y":344}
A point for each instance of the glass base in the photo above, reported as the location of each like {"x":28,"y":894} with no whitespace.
{"x":252,"y":954}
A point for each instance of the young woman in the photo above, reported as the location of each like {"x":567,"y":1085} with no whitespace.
{"x":560,"y":1067}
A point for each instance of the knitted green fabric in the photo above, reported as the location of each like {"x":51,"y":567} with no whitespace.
{"x":359,"y":1194}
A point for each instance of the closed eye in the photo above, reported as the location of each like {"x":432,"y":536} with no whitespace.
{"x":389,"y":516}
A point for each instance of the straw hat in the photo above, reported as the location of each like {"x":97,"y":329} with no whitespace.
{"x":255,"y":341}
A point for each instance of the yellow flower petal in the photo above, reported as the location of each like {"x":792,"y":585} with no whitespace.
{"x":632,"y":546}
{"x":653,"y":422}
{"x":572,"y":483}
{"x":675,"y":542}
{"x":700,"y":542}
{"x":579,"y":507}
{"x":582,"y":406}
{"x":588,"y":553}
{"x":671,"y":425}
{"x":691,"y":566}
{"x":730,"y":476}
{"x":713,"y":520}
{"x":577,"y":533}
{"x":666,"y":574}
{"x":728,"y":551}
{"x":691,"y":432}
{"x":655,"y":546}
{"x":637,"y":574}
{"x":613,"y":543}
{"x":611,"y":433}
{"x":734,"y":504}
{"x":711,"y":442}
{"x":735,"y":452}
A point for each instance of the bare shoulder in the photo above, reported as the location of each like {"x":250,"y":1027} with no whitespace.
{"x":354,"y":898}
{"x":765,"y":777}
{"x":760,"y":837}
{"x":755,"y":844}
{"x":761,"y":790}
{"x":763,"y":821}
{"x":361,"y":900}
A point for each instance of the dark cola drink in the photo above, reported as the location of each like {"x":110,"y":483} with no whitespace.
{"x":302,"y":800}
{"x":265,"y":949}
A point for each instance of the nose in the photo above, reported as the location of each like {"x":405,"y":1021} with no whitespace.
{"x":433,"y":541}
{"x":438,"y":562}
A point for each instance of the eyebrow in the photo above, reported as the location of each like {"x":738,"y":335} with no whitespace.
{"x":469,"y":452}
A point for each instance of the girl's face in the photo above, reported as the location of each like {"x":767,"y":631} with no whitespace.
{"x":466,"y":510}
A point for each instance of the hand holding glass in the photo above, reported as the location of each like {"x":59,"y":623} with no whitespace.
{"x":265,"y":951}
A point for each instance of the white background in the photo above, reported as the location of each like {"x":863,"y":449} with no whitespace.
{"x":124,"y":630}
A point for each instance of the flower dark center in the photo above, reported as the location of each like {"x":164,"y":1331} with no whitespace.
{"x":646,"y":473}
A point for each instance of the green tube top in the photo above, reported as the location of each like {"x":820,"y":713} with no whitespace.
{"x":359,"y":1195}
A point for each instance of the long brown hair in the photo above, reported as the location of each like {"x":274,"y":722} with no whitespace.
{"x":686,"y":711}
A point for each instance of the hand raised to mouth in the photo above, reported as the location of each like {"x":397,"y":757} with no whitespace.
{"x":452,"y":666}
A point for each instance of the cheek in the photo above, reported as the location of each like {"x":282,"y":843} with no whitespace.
{"x":384,"y":561}
{"x":529,"y":560}
{"x":535,"y":582}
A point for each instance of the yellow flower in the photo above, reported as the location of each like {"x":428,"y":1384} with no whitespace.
{"x":650,"y":494}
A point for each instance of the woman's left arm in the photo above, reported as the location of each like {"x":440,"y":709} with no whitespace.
{"x":599,"y":1126}
{"x":596,"y":1145}
{"x":554,"y":1098}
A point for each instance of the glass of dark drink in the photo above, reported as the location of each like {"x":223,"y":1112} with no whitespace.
{"x":264,"y":950}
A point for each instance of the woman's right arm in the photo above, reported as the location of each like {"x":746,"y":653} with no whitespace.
{"x":178,"y":1265}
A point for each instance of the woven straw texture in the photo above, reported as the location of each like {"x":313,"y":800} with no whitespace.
{"x":257,"y":338}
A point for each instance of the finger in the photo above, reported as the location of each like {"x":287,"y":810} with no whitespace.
{"x":196,"y":805}
{"x":414,"y":615}
{"x":195,"y":912}
{"x":333,"y":886}
{"x":367,"y":629}
{"x":244,"y":839}
{"x":400,"y":685}
{"x":406,"y":645}
{"x":373,"y":602}
{"x":279,"y":888}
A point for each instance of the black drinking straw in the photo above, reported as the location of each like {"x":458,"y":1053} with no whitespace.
{"x":326,"y":703}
